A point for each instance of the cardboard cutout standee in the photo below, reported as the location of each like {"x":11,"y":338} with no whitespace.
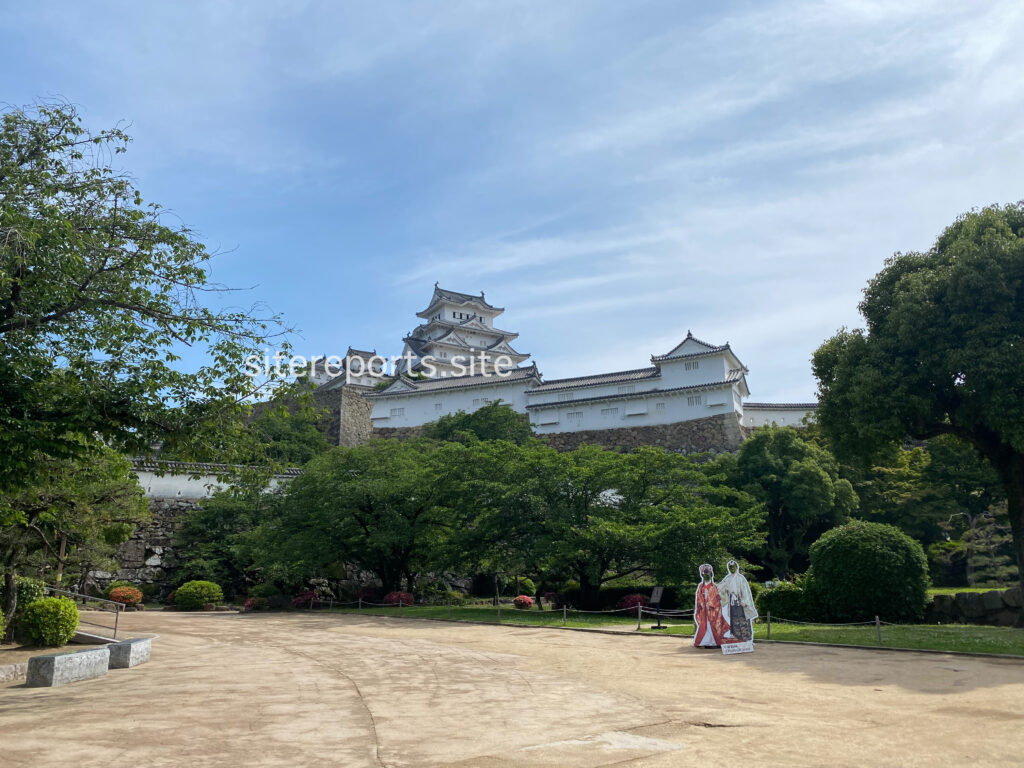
{"x":723,"y":613}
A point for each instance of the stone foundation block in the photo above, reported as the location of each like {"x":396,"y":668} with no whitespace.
{"x":56,"y":669}
{"x":993,"y":600}
{"x":129,"y":653}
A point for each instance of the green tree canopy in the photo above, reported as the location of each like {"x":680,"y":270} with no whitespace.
{"x":494,"y":421}
{"x":98,"y":296}
{"x":800,"y":487}
{"x":942,"y":353}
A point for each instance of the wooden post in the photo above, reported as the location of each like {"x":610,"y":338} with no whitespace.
{"x":360,"y":606}
{"x":878,"y":629}
{"x":449,"y":607}
{"x":563,"y":615}
{"x":768,"y":634}
{"x":639,"y":614}
{"x":498,"y":600}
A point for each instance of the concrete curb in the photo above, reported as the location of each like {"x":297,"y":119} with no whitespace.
{"x":634,"y":633}
{"x":10,"y":673}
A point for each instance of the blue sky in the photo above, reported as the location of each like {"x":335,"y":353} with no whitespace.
{"x":613,"y":174}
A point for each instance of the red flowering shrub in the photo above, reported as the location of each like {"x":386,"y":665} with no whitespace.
{"x":523,"y":602}
{"x":126,"y":595}
{"x":303,"y":598}
{"x":257,"y":604}
{"x":632,"y":601}
{"x":369,"y":594}
{"x":393,"y":598}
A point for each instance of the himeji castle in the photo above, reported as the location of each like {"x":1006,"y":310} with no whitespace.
{"x":692,"y":397}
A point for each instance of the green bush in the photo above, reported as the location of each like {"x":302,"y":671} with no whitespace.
{"x":115,"y":584}
{"x":263,"y":590}
{"x":785,"y":600}
{"x":29,"y":590}
{"x":50,"y":621}
{"x":527,"y":587}
{"x":193,"y":595}
{"x":866,"y":569}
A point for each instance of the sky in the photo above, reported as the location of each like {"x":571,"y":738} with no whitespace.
{"x":613,"y":174}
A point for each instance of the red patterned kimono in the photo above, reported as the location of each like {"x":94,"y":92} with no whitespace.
{"x":707,"y":615}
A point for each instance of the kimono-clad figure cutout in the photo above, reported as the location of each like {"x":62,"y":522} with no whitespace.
{"x":736,"y":595}
{"x":712,"y":626}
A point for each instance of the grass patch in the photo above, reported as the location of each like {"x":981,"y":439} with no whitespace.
{"x":954,"y":590}
{"x":965,"y":638}
{"x":509,"y":615}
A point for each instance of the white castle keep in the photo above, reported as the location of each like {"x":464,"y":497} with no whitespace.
{"x":692,"y":397}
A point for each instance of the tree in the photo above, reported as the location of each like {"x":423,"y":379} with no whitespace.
{"x":942,"y":353}
{"x":801,"y":490}
{"x":376,"y":506}
{"x":72,"y":518}
{"x":494,"y":421}
{"x":98,"y":296}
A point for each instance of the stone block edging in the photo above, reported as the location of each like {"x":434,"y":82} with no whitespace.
{"x":53,"y":669}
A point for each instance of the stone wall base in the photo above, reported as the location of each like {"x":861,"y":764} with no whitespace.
{"x":714,"y":434}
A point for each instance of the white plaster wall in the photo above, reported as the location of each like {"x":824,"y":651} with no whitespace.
{"x":422,"y":407}
{"x":182,"y":486}
{"x":635,"y":411}
{"x":783,"y":417}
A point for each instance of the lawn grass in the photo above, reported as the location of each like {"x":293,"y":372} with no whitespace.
{"x":963,"y":638}
{"x":509,"y":615}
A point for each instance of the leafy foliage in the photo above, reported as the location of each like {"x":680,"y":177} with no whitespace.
{"x":522,"y":602}
{"x":97,"y":294}
{"x":396,"y":598}
{"x":50,"y":621}
{"x":801,"y":490}
{"x":786,"y":600}
{"x":126,"y":595}
{"x":193,"y":595}
{"x":494,"y":421}
{"x":863,"y":569}
{"x":941,"y":353}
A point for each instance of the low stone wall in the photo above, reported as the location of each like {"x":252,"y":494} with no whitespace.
{"x":148,"y":556}
{"x":997,"y":607}
{"x":399,"y":433}
{"x":714,"y":434}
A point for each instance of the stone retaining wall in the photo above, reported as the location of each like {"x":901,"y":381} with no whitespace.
{"x":998,"y":607}
{"x":148,"y":556}
{"x":713,"y":434}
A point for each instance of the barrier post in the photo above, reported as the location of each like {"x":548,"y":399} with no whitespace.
{"x":360,"y":607}
{"x":768,"y":634}
{"x":878,"y":629}
{"x":563,"y":615}
{"x":117,"y":615}
{"x":639,"y":614}
{"x":449,"y":607}
{"x":498,"y":600}
{"x":330,"y":606}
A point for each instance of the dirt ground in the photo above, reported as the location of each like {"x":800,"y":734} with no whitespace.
{"x":328,"y":690}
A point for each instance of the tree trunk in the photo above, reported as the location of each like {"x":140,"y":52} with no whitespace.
{"x":1011,"y":471}
{"x":60,"y":558}
{"x":589,"y":593}
{"x":10,"y":599}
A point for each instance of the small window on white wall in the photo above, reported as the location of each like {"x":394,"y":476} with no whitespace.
{"x":692,"y":365}
{"x":609,"y":411}
{"x":659,"y":406}
{"x":437,"y":406}
{"x":695,"y":400}
{"x":398,"y":411}
{"x":627,"y":389}
{"x":563,"y":396}
{"x":476,"y":402}
{"x":574,"y":415}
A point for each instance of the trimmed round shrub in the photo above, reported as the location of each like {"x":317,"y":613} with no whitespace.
{"x":257,"y":604}
{"x":783,"y":601}
{"x":193,"y":595}
{"x":125,"y":595}
{"x":632,"y":601}
{"x":114,"y":585}
{"x":523,"y":602}
{"x":50,"y":621}
{"x":862,"y":570}
{"x":394,"y":598}
{"x":527,"y":587}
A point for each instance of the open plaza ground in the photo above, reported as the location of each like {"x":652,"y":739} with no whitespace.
{"x":311,"y":689}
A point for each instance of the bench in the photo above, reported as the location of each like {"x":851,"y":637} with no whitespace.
{"x":55,"y":669}
{"x":129,"y":653}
